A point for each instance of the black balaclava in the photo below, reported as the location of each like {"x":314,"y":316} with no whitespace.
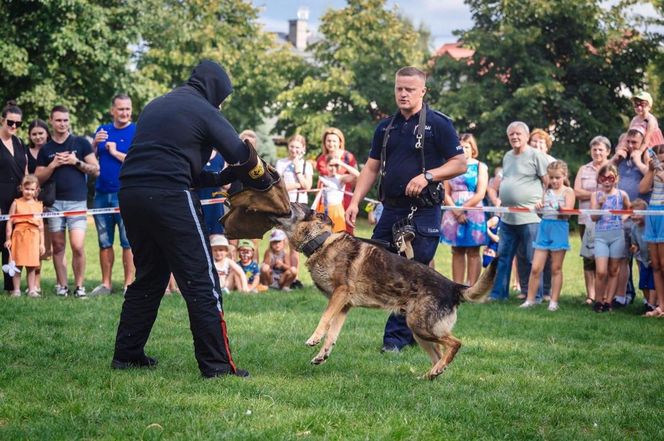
{"x":212,"y":81}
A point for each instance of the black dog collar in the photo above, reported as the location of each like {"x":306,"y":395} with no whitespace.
{"x":310,"y":247}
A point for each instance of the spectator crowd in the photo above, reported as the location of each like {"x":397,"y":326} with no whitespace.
{"x":50,"y":171}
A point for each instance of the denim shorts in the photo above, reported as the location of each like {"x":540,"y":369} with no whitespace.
{"x":60,"y":224}
{"x":106,"y":223}
{"x":654,"y":232}
{"x":610,"y":244}
{"x":552,"y":235}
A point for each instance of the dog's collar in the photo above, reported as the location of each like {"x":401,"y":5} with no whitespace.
{"x":310,"y":247}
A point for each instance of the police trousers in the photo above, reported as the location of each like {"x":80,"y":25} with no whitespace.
{"x":167,"y":233}
{"x":427,"y":227}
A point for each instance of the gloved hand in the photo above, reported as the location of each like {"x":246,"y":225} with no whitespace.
{"x":254,"y":172}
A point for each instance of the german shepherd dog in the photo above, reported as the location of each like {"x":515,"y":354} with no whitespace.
{"x":351,"y":272}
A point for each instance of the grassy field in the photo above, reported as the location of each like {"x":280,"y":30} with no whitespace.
{"x":521,"y":374}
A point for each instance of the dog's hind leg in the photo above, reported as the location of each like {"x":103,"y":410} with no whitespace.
{"x":430,"y":347}
{"x":338,"y":300}
{"x":452,"y":345}
{"x":332,"y":334}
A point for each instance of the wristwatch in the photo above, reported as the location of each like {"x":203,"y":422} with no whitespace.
{"x":429,"y":177}
{"x":78,"y":163}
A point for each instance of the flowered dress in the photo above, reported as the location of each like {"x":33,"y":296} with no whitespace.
{"x":473,"y":232}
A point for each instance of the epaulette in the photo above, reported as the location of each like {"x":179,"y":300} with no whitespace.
{"x":441,"y":114}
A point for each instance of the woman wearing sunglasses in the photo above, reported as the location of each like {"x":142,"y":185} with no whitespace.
{"x":13,"y":166}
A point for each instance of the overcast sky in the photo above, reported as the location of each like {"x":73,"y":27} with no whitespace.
{"x":442,"y":17}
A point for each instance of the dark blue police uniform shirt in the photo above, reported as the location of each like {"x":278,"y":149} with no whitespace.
{"x":70,"y":182}
{"x":403,"y":161}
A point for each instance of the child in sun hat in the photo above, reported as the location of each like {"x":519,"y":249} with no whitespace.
{"x":279,"y":268}
{"x":246,"y":261}
{"x":230,"y":274}
{"x":645,"y":120}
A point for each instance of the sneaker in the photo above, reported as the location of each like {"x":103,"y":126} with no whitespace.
{"x":61,"y":291}
{"x":15,"y":293}
{"x":390,"y":349}
{"x":527,"y":304}
{"x":225,"y":290}
{"x":297,"y":284}
{"x":547,"y":298}
{"x":79,"y":293}
{"x":553,"y":307}
{"x":101,"y":290}
{"x":34,"y":294}
{"x":146,"y":361}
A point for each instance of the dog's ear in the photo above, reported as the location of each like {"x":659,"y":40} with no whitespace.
{"x":324,"y":218}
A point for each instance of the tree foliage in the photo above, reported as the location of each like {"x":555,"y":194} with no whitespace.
{"x":556,"y":64}
{"x":82,"y":52}
{"x":351,"y":84}
{"x":71,"y":52}
{"x":179,"y":34}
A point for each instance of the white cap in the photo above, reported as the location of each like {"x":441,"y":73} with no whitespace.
{"x":219,"y":240}
{"x":277,"y":235}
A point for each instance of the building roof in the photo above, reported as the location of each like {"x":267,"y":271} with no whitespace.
{"x":454,"y":50}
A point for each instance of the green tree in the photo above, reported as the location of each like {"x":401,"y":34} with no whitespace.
{"x":179,"y":34}
{"x":71,"y":52}
{"x":555,"y":64}
{"x":656,"y":68}
{"x":351,"y":82}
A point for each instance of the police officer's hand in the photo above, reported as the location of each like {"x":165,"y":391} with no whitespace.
{"x":351,"y":214}
{"x":416,"y":185}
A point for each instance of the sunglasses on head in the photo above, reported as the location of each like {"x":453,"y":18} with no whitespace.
{"x":12,"y":123}
{"x":604,"y":179}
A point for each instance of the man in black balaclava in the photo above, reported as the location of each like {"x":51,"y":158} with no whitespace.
{"x":175,"y":135}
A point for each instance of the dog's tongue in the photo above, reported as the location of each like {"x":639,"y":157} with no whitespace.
{"x":251,"y":210}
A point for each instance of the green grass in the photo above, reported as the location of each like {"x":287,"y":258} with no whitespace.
{"x":521,"y":374}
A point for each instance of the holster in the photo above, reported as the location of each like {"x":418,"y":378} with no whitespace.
{"x":431,"y":196}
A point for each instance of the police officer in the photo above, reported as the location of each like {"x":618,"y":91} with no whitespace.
{"x":409,"y":179}
{"x":174,"y":137}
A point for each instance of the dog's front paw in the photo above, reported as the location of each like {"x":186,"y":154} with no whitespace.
{"x":313,"y":340}
{"x":319,"y":359}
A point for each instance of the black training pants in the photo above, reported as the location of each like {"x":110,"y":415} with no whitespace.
{"x":167,"y":234}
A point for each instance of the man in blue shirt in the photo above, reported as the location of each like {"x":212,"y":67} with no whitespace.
{"x":111,"y":143}
{"x":67,"y":160}
{"x":403,"y":178}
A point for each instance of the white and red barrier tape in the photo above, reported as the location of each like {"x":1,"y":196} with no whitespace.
{"x":562,"y":211}
{"x":88,"y":212}
{"x":572,"y":212}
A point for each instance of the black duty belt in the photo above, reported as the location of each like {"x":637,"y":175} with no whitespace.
{"x":400,"y":202}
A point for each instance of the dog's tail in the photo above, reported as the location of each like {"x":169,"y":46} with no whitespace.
{"x":480,"y":290}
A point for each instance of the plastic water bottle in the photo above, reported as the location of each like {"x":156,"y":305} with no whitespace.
{"x":657,"y":164}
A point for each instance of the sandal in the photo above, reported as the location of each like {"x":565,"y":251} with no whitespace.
{"x":589,"y":301}
{"x":657,"y":312}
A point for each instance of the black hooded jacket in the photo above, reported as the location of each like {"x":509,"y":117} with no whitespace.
{"x":176,"y":132}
